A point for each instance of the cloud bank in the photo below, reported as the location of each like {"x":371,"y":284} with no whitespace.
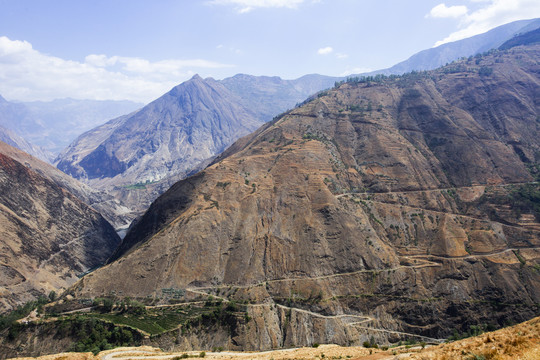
{"x":487,"y":15}
{"x":28,"y":75}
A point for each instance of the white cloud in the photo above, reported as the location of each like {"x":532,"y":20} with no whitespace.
{"x":443,"y":11}
{"x":342,"y":56}
{"x":490,"y":14}
{"x":325,"y":50}
{"x":26,"y":75}
{"x":245,"y":6}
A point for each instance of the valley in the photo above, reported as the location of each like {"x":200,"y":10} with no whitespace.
{"x":383,"y":210}
{"x":387,"y":216}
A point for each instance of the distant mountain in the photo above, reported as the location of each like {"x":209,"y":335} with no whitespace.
{"x":47,"y":235}
{"x":528,"y":38}
{"x":162,"y":142}
{"x":118,"y":215}
{"x":54,"y":125}
{"x":11,"y":138}
{"x":269,"y":96}
{"x":446,"y":53}
{"x":378,"y":211}
{"x":62,"y":120}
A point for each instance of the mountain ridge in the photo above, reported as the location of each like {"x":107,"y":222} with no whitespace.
{"x":446,"y":53}
{"x":52,"y":125}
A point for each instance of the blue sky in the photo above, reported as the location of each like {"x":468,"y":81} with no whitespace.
{"x":139,"y":49}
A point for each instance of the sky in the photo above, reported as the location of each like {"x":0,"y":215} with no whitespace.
{"x":139,"y":49}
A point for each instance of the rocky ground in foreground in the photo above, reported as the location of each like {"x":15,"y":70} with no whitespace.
{"x":517,"y":342}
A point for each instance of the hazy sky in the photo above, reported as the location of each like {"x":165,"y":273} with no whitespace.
{"x":139,"y":49}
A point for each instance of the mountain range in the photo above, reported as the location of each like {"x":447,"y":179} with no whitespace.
{"x":139,"y":156}
{"x":380,"y":209}
{"x":11,"y":138}
{"x":111,"y":209}
{"x":383,"y":208}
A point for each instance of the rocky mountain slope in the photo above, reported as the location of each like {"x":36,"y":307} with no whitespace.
{"x":446,"y":53}
{"x":137,"y":157}
{"x":385,"y":208}
{"x":111,"y":209}
{"x":47,"y":235}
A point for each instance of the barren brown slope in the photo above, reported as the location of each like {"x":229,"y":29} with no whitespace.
{"x":47,"y":235}
{"x":386,"y":200}
{"x":100,"y":201}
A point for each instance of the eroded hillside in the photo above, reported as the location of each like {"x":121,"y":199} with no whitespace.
{"x":386,"y":207}
{"x":48,"y":236}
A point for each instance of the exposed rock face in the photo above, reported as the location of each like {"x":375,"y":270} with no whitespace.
{"x":115,"y":213}
{"x":193,"y":122}
{"x":47,"y":235}
{"x":386,"y":201}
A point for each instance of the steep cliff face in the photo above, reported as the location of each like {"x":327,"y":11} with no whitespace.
{"x":47,"y":235}
{"x":388,"y":208}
